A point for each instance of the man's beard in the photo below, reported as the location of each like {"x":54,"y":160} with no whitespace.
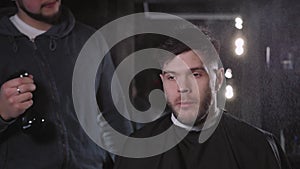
{"x":53,"y":19}
{"x":202,"y":111}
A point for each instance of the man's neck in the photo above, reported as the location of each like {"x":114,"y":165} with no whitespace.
{"x":208,"y":120}
{"x":32,"y":22}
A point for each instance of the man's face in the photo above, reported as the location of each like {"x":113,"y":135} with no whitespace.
{"x":42,"y":10}
{"x":187,"y":88}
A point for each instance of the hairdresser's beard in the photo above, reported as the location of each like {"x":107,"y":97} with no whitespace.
{"x":51,"y":19}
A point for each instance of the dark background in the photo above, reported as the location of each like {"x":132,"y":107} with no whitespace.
{"x":266,"y":95}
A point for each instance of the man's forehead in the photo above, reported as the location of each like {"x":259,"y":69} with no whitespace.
{"x":184,"y":61}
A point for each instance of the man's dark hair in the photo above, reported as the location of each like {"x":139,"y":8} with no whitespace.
{"x":177,"y":47}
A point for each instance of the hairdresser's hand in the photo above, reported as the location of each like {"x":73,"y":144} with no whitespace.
{"x":16,"y":97}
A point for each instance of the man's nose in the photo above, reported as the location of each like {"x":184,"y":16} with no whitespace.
{"x":183,"y":90}
{"x":184,"y":86}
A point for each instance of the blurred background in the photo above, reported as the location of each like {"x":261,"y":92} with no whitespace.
{"x":260,"y":51}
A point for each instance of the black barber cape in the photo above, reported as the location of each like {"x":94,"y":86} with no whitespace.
{"x":233,"y":145}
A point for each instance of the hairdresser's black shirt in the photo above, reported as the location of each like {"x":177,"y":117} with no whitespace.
{"x":233,"y":145}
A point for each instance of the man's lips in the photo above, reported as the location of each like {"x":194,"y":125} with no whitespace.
{"x":184,"y":104}
{"x":49,"y":4}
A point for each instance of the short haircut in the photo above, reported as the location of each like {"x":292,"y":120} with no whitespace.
{"x":177,"y":47}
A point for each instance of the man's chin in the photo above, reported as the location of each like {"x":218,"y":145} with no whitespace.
{"x":187,"y":118}
{"x":51,"y":19}
{"x":47,"y":18}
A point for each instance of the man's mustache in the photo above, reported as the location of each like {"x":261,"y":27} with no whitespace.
{"x":187,"y":99}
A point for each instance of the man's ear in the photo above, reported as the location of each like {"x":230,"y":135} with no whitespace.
{"x":162,"y":81}
{"x":220,"y":79}
{"x":161,"y":77}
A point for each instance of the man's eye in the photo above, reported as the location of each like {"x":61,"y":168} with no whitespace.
{"x":197,"y":74}
{"x":170,"y":77}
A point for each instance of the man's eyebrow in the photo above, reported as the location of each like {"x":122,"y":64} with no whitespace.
{"x":168,"y":71}
{"x":197,"y":68}
{"x":191,"y":69}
